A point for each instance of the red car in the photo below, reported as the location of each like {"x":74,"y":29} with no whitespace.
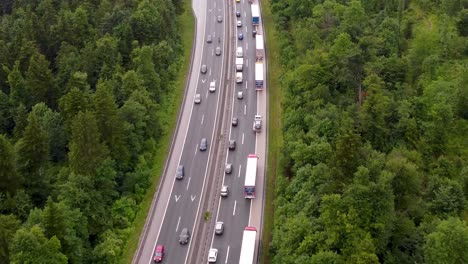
{"x":158,"y":253}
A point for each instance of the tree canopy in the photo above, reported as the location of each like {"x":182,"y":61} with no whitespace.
{"x":82,"y":87}
{"x":375,"y":161}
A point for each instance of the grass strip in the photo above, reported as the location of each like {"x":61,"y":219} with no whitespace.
{"x":169,"y":117}
{"x":275,"y":136}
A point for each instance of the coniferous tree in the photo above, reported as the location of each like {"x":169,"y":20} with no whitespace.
{"x":32,"y":159}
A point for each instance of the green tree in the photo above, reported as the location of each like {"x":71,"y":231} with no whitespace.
{"x":72,"y":103}
{"x":144,"y":65}
{"x":9,"y":179}
{"x":110,"y":123}
{"x":39,"y":81}
{"x":32,"y":159}
{"x":31,"y":246}
{"x":8,"y":226}
{"x":21,"y":121}
{"x":448,"y":243}
{"x":18,"y":93}
{"x":86,"y":148}
{"x":375,"y":113}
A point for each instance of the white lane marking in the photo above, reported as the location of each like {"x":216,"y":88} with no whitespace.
{"x":176,"y":197}
{"x":214,"y":4}
{"x":234,"y":211}
{"x":178,"y":222}
{"x":245,"y":109}
{"x":227,"y":256}
{"x":196,"y":149}
{"x":204,"y":80}
{"x":243,"y":138}
{"x":209,"y":73}
{"x":202,"y":118}
{"x":246,"y":84}
{"x":192,"y":197}
{"x":247,"y":62}
{"x":246,"y":46}
{"x":246,"y":29}
{"x":188,"y":184}
{"x":206,"y":95}
{"x":245,"y":14}
{"x":240,"y":167}
{"x":212,"y":52}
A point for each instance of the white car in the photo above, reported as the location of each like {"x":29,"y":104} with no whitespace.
{"x":224,"y":191}
{"x":239,"y":23}
{"x":212,"y":255}
{"x":240,"y":95}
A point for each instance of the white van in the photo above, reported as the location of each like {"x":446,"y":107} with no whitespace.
{"x":212,"y":87}
{"x":238,"y":77}
{"x":239,"y":52}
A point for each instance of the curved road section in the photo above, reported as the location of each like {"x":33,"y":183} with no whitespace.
{"x":176,"y":204}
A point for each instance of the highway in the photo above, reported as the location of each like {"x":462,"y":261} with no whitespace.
{"x":180,"y":204}
{"x":179,"y":200}
{"x":234,"y":210}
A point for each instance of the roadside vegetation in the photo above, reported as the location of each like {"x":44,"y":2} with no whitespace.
{"x":375,"y":107}
{"x":275,"y":135}
{"x":88,"y":97}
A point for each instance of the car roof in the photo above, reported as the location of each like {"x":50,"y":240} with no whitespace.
{"x":159,"y":247}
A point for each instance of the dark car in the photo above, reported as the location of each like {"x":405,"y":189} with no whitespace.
{"x":220,"y":19}
{"x":235,"y":121}
{"x":184,"y":236}
{"x":237,"y":14}
{"x":180,"y":172}
{"x":232,"y":144}
{"x":158,"y":253}
{"x":241,"y":36}
{"x":203,"y":144}
{"x":203,"y":68}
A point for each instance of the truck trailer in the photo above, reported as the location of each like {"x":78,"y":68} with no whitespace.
{"x":255,"y":14}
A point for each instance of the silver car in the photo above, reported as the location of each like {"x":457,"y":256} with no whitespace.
{"x":209,"y":39}
{"x":197,"y":99}
{"x":218,"y":51}
{"x":184,"y":236}
{"x":219,"y":228}
{"x":228,"y":168}
{"x":203,"y":144}
{"x":180,"y":172}
{"x":224,"y":191}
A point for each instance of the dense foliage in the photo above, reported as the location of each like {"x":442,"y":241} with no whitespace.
{"x":83,"y":87}
{"x":375,"y":122}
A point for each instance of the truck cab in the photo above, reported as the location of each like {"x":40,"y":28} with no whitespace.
{"x":238,"y":77}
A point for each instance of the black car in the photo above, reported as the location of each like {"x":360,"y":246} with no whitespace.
{"x":241,"y":36}
{"x":237,"y":14}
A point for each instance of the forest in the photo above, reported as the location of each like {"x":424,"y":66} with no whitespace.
{"x":83,"y":89}
{"x":374,"y":167}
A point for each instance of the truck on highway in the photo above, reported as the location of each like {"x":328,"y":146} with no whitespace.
{"x":248,"y":245}
{"x":255,"y":14}
{"x":239,"y":52}
{"x":239,"y":64}
{"x":258,"y":76}
{"x":257,"y":124}
{"x":259,"y":50}
{"x":238,"y":77}
{"x":250,"y":176}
